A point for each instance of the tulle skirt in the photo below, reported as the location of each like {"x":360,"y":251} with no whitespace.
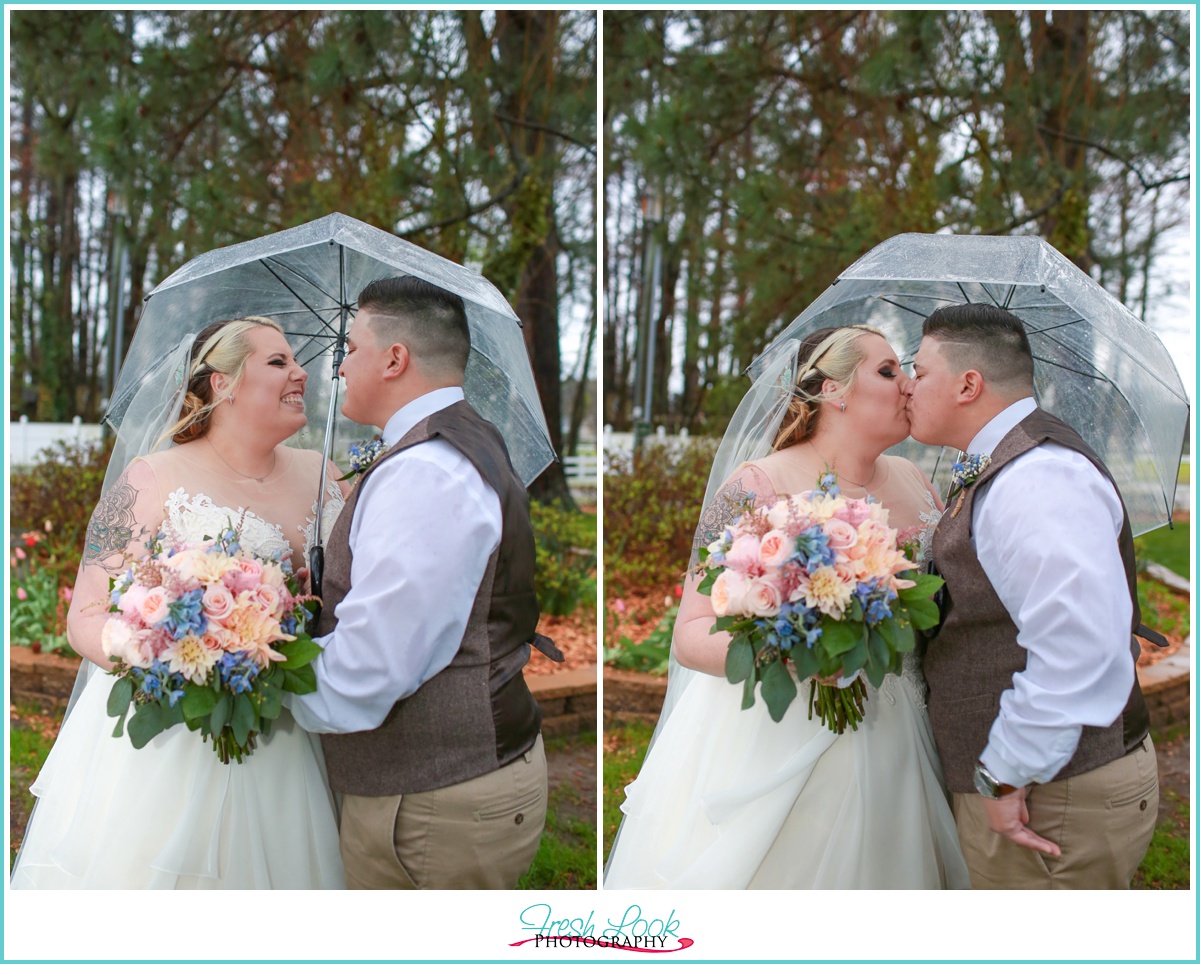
{"x":172,"y":816}
{"x":728,"y":799}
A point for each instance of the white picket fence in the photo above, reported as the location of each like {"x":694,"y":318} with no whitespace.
{"x":26,"y":438}
{"x":581,"y":472}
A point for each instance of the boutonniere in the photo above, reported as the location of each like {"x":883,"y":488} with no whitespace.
{"x":964,"y":474}
{"x":362,"y":454}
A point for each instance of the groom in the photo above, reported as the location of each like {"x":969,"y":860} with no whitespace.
{"x":1033,"y":695}
{"x":429,"y":731}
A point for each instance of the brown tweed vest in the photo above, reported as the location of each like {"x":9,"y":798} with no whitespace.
{"x":972,"y":659}
{"x":477,"y":714}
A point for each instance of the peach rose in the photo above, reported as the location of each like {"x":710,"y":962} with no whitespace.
{"x":763,"y":597}
{"x":728,"y":592}
{"x":218,"y":602}
{"x":154,"y":606}
{"x":775,"y":549}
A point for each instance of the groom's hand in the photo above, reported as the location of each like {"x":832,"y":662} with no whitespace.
{"x":1009,"y":816}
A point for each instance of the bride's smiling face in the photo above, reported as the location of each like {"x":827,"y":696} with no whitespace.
{"x":271,"y":390}
{"x":877,"y":400}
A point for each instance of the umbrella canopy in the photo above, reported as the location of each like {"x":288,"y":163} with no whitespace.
{"x":307,"y":278}
{"x":1097,"y":366}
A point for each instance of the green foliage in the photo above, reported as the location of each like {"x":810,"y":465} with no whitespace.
{"x":60,"y":489}
{"x":1168,"y":547}
{"x":625,"y":748}
{"x":566,"y":856}
{"x":566,"y":558}
{"x":651,"y":655}
{"x":1167,"y":864}
{"x":36,"y":612}
{"x":651,"y":507}
{"x":1162,"y":608}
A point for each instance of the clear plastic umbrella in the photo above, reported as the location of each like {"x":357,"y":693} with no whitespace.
{"x":307,"y":278}
{"x":1097,"y":366}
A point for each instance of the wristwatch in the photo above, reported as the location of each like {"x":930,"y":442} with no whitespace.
{"x":989,"y":786}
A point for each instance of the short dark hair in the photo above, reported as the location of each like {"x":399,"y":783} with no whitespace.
{"x":986,"y":338}
{"x":430,"y":321}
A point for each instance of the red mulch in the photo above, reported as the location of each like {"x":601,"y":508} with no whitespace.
{"x":637,"y":614}
{"x":575,"y":635}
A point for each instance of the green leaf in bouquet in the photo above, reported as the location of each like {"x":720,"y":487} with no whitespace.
{"x":778,"y":689}
{"x":886,"y":628}
{"x":270,"y":696}
{"x":299,"y":652}
{"x":171,"y":715}
{"x":120,"y":696}
{"x":300,"y":681}
{"x":902,"y":628}
{"x":220,"y":714}
{"x":805,"y":660}
{"x":706,"y":584}
{"x":194,"y":724}
{"x":119,"y":729}
{"x":926,"y":586}
{"x":923,"y":613}
{"x":857,"y":658}
{"x":199,"y":701}
{"x":748,"y":690}
{"x":739,"y":660}
{"x":879,"y":660}
{"x":839,"y":637}
{"x":243,"y":718}
{"x":855,"y":613}
{"x":146,"y":724}
{"x":731,"y":624}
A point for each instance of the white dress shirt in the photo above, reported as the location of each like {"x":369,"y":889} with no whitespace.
{"x":424,"y":528}
{"x":1045,"y":531}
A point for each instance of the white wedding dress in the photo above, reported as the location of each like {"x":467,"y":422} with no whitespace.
{"x":171,"y":815}
{"x":728,"y":799}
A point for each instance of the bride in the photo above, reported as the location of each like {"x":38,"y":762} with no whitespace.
{"x":729,"y":799}
{"x":171,"y":815}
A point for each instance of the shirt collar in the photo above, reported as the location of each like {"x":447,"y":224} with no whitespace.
{"x":988,"y":437}
{"x":421,"y":407}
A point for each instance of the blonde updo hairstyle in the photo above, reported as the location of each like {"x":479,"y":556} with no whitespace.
{"x":832,"y":353}
{"x":221,"y":347}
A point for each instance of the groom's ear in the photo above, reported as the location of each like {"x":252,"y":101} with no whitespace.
{"x":970,"y":386}
{"x":396,"y":361}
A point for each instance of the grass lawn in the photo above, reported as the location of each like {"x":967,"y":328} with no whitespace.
{"x":624,"y":749}
{"x":1167,"y":547}
{"x":566,"y":858}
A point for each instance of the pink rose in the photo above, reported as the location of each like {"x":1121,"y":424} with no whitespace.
{"x":763,"y":597}
{"x":132,"y":600}
{"x":267,"y":597}
{"x":154,"y":606}
{"x":744,"y":556}
{"x":842,"y":535}
{"x":218,"y":602}
{"x":728,"y":592}
{"x":246,"y":574}
{"x":775,"y":549}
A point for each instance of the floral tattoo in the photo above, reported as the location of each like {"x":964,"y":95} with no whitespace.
{"x":726,"y":507}
{"x":111,"y":528}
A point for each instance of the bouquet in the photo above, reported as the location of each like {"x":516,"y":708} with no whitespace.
{"x":207,"y":634}
{"x":819,"y":581}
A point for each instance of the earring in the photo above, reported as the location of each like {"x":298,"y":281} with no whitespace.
{"x":843,"y":406}
{"x":230,"y":400}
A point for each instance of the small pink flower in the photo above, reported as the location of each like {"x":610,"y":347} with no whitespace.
{"x":49,"y":526}
{"x":20,"y":553}
{"x":66,"y":594}
{"x":21,"y":593}
{"x":619,"y":605}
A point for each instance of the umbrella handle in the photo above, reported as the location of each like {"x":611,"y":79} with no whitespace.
{"x":316,"y":572}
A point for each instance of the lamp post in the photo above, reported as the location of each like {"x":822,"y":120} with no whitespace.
{"x":643,"y":409}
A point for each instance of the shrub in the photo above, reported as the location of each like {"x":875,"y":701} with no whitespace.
{"x":652,"y":503}
{"x":652,"y":655}
{"x":61,"y":488}
{"x":566,"y":558}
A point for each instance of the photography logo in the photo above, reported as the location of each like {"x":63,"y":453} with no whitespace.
{"x":634,"y":931}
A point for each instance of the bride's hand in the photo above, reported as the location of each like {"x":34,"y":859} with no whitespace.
{"x":305,"y":580}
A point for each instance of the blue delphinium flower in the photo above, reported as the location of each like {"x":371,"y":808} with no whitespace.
{"x":186,"y":615}
{"x":237,"y":672}
{"x":812,"y":549}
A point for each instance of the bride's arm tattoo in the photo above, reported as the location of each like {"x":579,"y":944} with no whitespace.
{"x":726,"y":507}
{"x":112,"y":528}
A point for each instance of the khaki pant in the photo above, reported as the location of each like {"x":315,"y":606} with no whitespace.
{"x":1102,"y":820}
{"x":481,"y":834}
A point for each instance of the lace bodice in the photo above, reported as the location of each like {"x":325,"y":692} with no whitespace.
{"x":334,"y":503}
{"x":191,"y":518}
